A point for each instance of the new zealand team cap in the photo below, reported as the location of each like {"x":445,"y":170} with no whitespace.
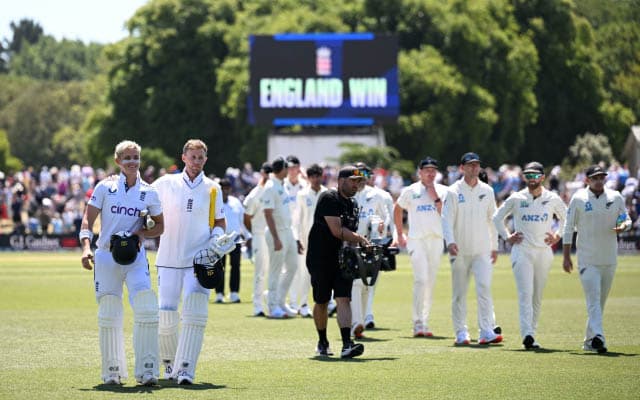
{"x":429,"y":162}
{"x":469,"y":157}
{"x":533,"y":167}
{"x":292,"y":161}
{"x":595,"y":170}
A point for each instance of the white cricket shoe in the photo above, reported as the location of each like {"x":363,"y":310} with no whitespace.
{"x":291,"y":313}
{"x":369,"y":323}
{"x":148,"y":379}
{"x":219,"y":298}
{"x":305,"y":311}
{"x":462,"y":338}
{"x":278,"y":313}
{"x":489,"y":337}
{"x":234,"y":297}
{"x":113,"y":379}
{"x":184,"y":378}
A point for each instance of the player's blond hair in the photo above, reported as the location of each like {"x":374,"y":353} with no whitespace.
{"x":194,"y":144}
{"x":126,"y":144}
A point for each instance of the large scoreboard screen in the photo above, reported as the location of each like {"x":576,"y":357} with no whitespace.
{"x":338,"y":79}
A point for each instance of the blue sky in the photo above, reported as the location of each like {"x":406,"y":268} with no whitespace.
{"x":87,"y":20}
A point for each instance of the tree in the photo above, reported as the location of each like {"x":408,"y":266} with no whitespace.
{"x":8,"y":163}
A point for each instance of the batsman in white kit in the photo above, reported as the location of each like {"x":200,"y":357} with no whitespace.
{"x":532,"y":209}
{"x":423,"y":202}
{"x":472,"y":243}
{"x":123,"y":202}
{"x":194,"y":222}
{"x":597,"y":214}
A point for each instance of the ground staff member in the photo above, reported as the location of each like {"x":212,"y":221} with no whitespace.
{"x":598,"y":214}
{"x":423,"y":203}
{"x":194,"y":219}
{"x":472,"y":243}
{"x":533,"y":209}
{"x":335,"y":223}
{"x":119,"y":201}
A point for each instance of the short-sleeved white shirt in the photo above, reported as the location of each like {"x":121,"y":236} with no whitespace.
{"x":276,"y":198}
{"x":120,"y":208}
{"x":306,"y":199}
{"x":186,"y":217}
{"x":532,"y":217}
{"x":422,"y":212}
{"x":253,"y":207}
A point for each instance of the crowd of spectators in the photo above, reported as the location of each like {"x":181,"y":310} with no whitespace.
{"x":52,"y":200}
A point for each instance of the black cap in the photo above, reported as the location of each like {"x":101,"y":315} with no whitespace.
{"x":278,"y":164}
{"x":350,"y":172}
{"x":266,"y":167}
{"x":429,"y":162}
{"x":595,"y":170}
{"x":292,"y":161}
{"x":533,"y":167}
{"x":469,"y":157}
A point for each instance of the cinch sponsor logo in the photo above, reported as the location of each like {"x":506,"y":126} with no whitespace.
{"x":535,"y":217}
{"x":130,"y":211}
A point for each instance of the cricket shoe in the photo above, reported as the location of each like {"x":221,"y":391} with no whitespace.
{"x":278,"y":313}
{"x":305,"y":311}
{"x":184,"y":378}
{"x":234,"y":297}
{"x":219,"y":298}
{"x":352,"y":350}
{"x":530,"y":343}
{"x":595,"y":344}
{"x":323,"y":350}
{"x":369,"y":323}
{"x":489,"y":338}
{"x":147,"y":379}
{"x":356,"y":331}
{"x":291,"y":313}
{"x":113,"y":379}
{"x":462,"y":339}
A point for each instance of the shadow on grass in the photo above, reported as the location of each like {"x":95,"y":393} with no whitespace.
{"x":607,"y":354}
{"x":371,"y":339}
{"x":478,"y":346}
{"x":434,"y":337}
{"x":356,"y":360}
{"x":150,"y":389}
{"x":539,"y":351}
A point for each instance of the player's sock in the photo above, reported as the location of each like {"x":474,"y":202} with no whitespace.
{"x":346,"y":335}
{"x":322,"y":336}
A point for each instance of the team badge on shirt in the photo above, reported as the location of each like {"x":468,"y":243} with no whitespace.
{"x":524,"y":204}
{"x":460,"y":198}
{"x":482,"y":196}
{"x":588,"y":207}
{"x":609,"y":203}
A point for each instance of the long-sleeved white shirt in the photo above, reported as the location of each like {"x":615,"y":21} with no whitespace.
{"x":276,"y":198}
{"x":532,"y":217}
{"x":186,"y":217}
{"x":594,"y":218}
{"x":253,"y":207}
{"x":422,"y":212}
{"x":371,"y":204}
{"x":306,"y":199}
{"x":467,"y":218}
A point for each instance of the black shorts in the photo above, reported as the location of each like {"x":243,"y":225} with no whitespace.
{"x":326,"y":277}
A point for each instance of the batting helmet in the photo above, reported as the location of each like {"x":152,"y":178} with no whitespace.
{"x":208,"y":268}
{"x":124,"y":247}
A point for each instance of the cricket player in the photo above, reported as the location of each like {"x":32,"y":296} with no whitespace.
{"x":119,"y":201}
{"x":194,"y":221}
{"x":423,"y":202}
{"x":306,"y":200}
{"x":472,"y":244}
{"x":533,"y":210}
{"x":373,"y":219}
{"x":255,"y":222}
{"x":597,"y":214}
{"x":283,"y":249}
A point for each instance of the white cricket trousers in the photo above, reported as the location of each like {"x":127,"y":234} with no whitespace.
{"x":596,"y":282}
{"x":299,"y":292}
{"x":531,"y":267}
{"x":425,"y":255}
{"x":282,"y":267}
{"x":461,"y":269}
{"x":260,"y":264}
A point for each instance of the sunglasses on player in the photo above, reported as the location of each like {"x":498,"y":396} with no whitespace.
{"x":533,"y":175}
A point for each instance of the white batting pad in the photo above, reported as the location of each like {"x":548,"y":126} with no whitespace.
{"x":145,"y":333}
{"x":168,"y":335}
{"x":194,"y":320}
{"x":114,"y":361}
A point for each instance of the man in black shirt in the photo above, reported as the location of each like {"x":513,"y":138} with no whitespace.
{"x":335,"y":222}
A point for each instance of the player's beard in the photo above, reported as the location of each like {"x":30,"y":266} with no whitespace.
{"x":533,"y":185}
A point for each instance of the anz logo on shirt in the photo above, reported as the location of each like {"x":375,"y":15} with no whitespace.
{"x":588,"y":207}
{"x":362,"y":213}
{"x":291,"y":199}
{"x":535,"y":217}
{"x":427,"y":207}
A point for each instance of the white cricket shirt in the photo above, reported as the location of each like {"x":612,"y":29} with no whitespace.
{"x":306,"y":200}
{"x":594,"y":218}
{"x":467,"y":218}
{"x":120,"y":208}
{"x":532,"y":217}
{"x":370,"y":204}
{"x":253,"y":207}
{"x":186,"y":217}
{"x":422,"y":212}
{"x":276,"y":198}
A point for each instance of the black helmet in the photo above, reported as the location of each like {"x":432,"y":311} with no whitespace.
{"x":124,"y":247}
{"x":208,"y":268}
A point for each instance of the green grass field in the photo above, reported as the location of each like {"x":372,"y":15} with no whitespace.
{"x":49,"y":343}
